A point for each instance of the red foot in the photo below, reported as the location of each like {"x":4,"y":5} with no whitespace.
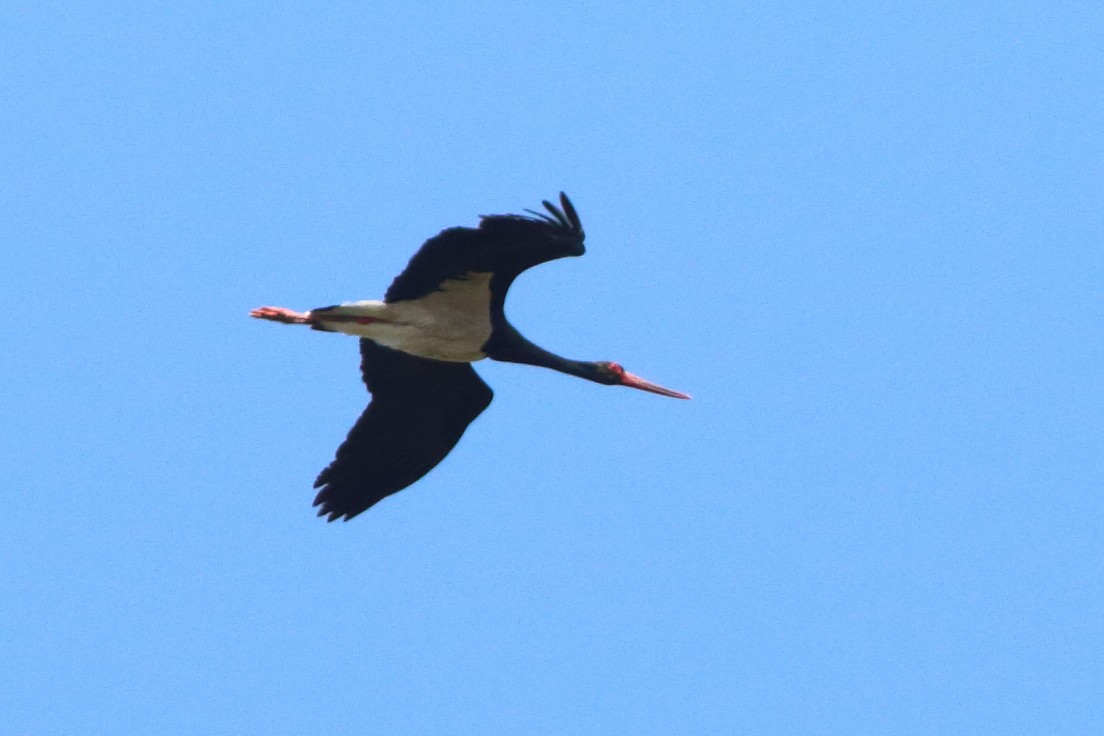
{"x":280,"y":314}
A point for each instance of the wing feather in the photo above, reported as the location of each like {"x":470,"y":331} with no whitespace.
{"x":418,"y":412}
{"x":504,"y":245}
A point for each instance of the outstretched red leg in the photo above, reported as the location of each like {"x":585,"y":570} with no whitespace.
{"x":281,"y":314}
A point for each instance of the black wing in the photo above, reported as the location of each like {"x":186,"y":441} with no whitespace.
{"x":504,"y":245}
{"x":419,"y":410}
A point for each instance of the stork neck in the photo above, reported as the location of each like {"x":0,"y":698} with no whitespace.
{"x":509,"y":345}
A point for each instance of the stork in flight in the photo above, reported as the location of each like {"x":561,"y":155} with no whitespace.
{"x":442,"y":313}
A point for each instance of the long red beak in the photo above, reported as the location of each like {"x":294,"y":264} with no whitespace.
{"x":628,"y":379}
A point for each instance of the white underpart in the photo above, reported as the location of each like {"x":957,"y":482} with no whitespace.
{"x":450,"y":324}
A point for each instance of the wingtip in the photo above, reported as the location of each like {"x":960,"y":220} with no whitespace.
{"x":558,"y":217}
{"x":327,"y":510}
{"x":331,"y":515}
{"x":563,"y":215}
{"x":570,"y":211}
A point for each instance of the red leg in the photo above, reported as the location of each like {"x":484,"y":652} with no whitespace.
{"x":280,"y":314}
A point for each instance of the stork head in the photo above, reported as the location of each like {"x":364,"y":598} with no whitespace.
{"x":612,"y":374}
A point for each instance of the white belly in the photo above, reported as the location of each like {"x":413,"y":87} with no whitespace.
{"x":451,"y":324}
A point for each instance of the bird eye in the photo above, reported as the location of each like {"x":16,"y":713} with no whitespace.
{"x":615,"y":368}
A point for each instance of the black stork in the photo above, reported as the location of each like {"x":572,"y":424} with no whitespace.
{"x":443,"y":312}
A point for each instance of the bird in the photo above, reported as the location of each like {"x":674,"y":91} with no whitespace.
{"x":441,"y":314}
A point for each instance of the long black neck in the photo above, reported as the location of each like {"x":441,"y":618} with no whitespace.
{"x":507,"y":344}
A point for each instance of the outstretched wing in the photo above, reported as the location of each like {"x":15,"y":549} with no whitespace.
{"x":418,"y":412}
{"x":503,"y":245}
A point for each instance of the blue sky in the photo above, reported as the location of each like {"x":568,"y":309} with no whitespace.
{"x":865,"y":236}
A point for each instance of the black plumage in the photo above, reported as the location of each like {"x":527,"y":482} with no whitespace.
{"x":504,"y":245}
{"x":418,"y":412}
{"x":421,"y":406}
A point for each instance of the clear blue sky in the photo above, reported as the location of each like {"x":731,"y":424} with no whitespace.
{"x":866,"y":236}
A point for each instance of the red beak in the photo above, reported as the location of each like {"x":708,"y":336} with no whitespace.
{"x":628,"y":379}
